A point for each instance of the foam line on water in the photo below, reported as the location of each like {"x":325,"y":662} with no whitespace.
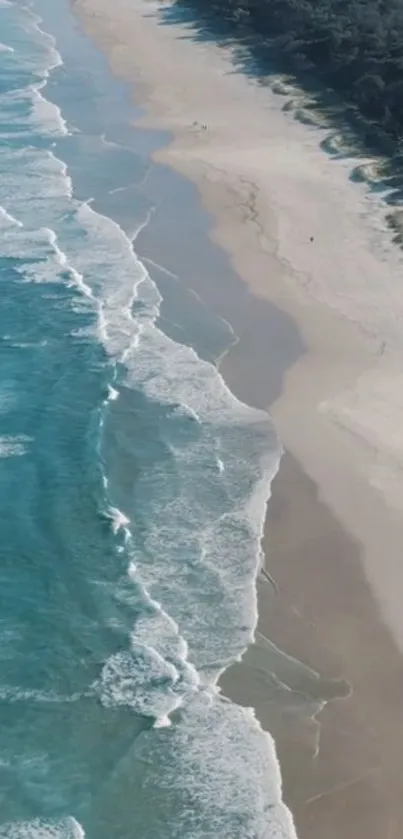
{"x":7,"y":217}
{"x":46,"y":38}
{"x":118,"y":519}
{"x":204,"y":530}
{"x":122,"y":330}
{"x":67,"y":828}
{"x":124,"y":339}
{"x":12,"y":694}
{"x":113,"y":394}
{"x":13,"y":445}
{"x":141,"y":226}
{"x":44,"y":113}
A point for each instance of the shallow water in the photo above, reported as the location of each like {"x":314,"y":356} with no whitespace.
{"x":132,"y":486}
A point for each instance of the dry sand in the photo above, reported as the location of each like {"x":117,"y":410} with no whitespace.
{"x":335,"y":524}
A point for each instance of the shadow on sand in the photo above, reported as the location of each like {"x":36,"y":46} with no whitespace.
{"x":346,"y":133}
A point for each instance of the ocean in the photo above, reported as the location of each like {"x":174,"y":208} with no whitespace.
{"x":133,"y":484}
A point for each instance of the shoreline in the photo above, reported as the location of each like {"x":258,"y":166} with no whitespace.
{"x":351,"y":334}
{"x":339,"y":759}
{"x":331,"y":451}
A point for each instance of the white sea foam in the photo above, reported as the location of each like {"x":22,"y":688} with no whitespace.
{"x":196,"y":392}
{"x":221,"y":535}
{"x":201,"y":510}
{"x":230,"y":775}
{"x":142,"y":680}
{"x":113,"y":394}
{"x":119,"y":520}
{"x":12,"y":694}
{"x":46,"y":262}
{"x":47,"y":115}
{"x":39,"y":116}
{"x":106,"y":270}
{"x":13,"y":445}
{"x":45,"y":39}
{"x":67,"y":828}
{"x":6,"y":219}
{"x":33,"y":186}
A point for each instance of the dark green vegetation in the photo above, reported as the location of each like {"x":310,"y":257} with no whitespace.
{"x":354,"y":47}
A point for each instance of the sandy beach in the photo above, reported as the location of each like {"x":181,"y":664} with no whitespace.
{"x":328,"y":369}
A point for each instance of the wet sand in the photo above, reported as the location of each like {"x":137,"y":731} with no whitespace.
{"x":341,"y":771}
{"x":321,"y":610}
{"x":331,"y":380}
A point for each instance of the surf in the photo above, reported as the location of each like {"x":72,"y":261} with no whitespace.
{"x":144,"y":489}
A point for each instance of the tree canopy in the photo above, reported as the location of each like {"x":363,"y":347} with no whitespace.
{"x":353,"y":46}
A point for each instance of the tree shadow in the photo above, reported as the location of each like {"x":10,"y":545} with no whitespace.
{"x":347,"y":133}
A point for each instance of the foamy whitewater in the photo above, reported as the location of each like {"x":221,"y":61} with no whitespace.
{"x":133,"y":488}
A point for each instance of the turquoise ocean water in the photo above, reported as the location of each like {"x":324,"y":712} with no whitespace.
{"x":132,"y":487}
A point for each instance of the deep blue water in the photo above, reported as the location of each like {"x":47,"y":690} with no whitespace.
{"x":132,"y":486}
